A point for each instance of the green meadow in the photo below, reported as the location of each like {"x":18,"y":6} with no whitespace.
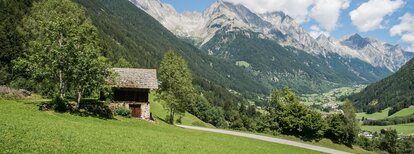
{"x":407,"y":129}
{"x":25,"y":129}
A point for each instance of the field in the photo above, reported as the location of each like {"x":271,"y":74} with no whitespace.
{"x":331,"y":96}
{"x":24,"y":129}
{"x":406,"y":129}
{"x":378,"y":115}
{"x":401,"y":129}
{"x":384,"y":113}
{"x":404,"y":112}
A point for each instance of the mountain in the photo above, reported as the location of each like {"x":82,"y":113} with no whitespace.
{"x":396,"y":91}
{"x":130,"y":33}
{"x":377,"y":53}
{"x":279,"y":66}
{"x":278,"y":51}
{"x":409,"y":55}
{"x":200,"y":27}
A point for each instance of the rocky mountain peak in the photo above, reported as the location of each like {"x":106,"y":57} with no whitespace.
{"x":278,"y":26}
{"x":355,"y":41}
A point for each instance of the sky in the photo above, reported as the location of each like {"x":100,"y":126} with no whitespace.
{"x":391,"y":21}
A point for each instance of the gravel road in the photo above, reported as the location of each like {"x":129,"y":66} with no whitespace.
{"x":266,"y":138}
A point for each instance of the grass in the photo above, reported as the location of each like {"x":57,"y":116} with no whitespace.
{"x":407,"y":129}
{"x":378,"y":115}
{"x":384,"y":113}
{"x":160,"y":112}
{"x":404,"y":112}
{"x":311,"y":103}
{"x":24,"y":129}
{"x":243,"y":64}
{"x":328,"y":144}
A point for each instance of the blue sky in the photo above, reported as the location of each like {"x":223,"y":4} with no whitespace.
{"x":365,"y":11}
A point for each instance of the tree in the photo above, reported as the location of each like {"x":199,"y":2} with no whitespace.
{"x":12,"y":12}
{"x":62,"y":47}
{"x":288,"y":115}
{"x":351,"y":124}
{"x":122,"y":63}
{"x":388,"y":141}
{"x":176,"y":84}
{"x":336,"y":128}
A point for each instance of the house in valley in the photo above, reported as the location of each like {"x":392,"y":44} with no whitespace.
{"x":131,"y":88}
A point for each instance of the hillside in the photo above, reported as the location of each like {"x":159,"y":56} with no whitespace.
{"x":395,"y":91}
{"x":280,"y":66}
{"x":130,"y":33}
{"x":24,"y":129}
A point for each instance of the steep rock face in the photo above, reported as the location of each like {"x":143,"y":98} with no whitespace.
{"x":408,"y":55}
{"x":287,"y":66}
{"x":377,"y":53}
{"x":293,"y":34}
{"x":202,"y":26}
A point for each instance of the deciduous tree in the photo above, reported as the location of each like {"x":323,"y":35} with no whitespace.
{"x":62,"y":47}
{"x":176,"y":84}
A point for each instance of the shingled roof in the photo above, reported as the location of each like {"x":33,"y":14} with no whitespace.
{"x":135,"y":78}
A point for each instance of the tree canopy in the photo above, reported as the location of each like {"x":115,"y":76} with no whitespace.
{"x":62,"y":47}
{"x":176,"y":84}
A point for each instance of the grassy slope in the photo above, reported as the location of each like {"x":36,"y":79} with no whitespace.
{"x":384,"y":113}
{"x":404,"y":112}
{"x":378,"y":115}
{"x":24,"y":129}
{"x":329,"y":144}
{"x":403,"y":128}
{"x":160,"y":113}
{"x":189,"y":119}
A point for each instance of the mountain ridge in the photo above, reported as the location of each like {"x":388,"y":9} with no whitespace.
{"x":274,"y":25}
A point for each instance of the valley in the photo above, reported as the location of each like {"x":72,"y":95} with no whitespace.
{"x":128,"y":76}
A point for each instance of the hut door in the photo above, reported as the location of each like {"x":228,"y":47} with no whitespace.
{"x":135,"y":110}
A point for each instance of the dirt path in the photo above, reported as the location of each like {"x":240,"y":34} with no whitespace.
{"x":266,"y":138}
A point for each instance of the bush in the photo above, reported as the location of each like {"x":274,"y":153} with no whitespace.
{"x":96,"y":108}
{"x":59,"y":104}
{"x":122,"y":111}
{"x":366,"y":143}
{"x":198,"y":123}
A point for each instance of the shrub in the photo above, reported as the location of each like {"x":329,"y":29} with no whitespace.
{"x":60,"y":104}
{"x":122,"y":111}
{"x":104,"y":112}
{"x":198,"y":123}
{"x":96,"y":108}
{"x":179,"y":120}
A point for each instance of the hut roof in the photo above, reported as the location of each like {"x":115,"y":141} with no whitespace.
{"x":135,"y":78}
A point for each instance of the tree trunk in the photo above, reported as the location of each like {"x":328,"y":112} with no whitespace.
{"x":79,"y":91}
{"x":61,"y":91}
{"x":171,"y":120}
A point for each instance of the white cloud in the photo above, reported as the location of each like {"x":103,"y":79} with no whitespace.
{"x":327,"y":12}
{"x":316,"y":32}
{"x":405,"y":29}
{"x":297,"y":9}
{"x":370,"y":15}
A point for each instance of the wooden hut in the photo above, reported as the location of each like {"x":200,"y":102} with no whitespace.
{"x":131,"y":89}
